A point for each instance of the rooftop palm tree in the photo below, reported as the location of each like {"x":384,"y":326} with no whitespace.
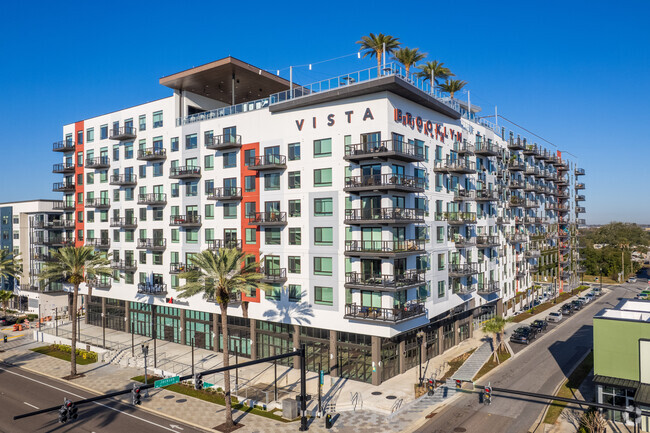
{"x":220,"y":276}
{"x":409,"y":57}
{"x":496,"y":326}
{"x":433,"y":71}
{"x":373,"y":45}
{"x":5,"y":297}
{"x":75,"y":265}
{"x":452,"y":86}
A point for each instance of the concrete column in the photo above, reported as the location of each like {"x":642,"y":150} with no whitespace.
{"x":456,"y":339}
{"x":423,"y":349}
{"x":127,"y":317}
{"x":334,"y":354}
{"x":103,"y":312}
{"x":215,"y":332}
{"x":253,"y":337}
{"x":181,"y":312}
{"x":296,"y":345}
{"x":440,"y":337}
{"x":499,"y":311}
{"x":402,"y":356}
{"x":376,"y":360}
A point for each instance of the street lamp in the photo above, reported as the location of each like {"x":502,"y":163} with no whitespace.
{"x":145,"y":352}
{"x":420,"y":339}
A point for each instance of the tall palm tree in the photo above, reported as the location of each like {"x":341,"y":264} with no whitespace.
{"x":75,"y":265}
{"x":373,"y":45}
{"x":433,"y":71}
{"x":10,"y":265}
{"x":5,"y":297}
{"x":452,"y":86}
{"x":409,"y":57}
{"x":496,"y":326}
{"x":219,"y":276}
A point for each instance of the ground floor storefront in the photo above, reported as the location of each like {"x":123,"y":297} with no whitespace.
{"x":623,"y":393}
{"x":354,"y":356}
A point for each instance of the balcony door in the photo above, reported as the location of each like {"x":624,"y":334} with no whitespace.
{"x":230,"y":238}
{"x":272,"y":207}
{"x":272,"y":265}
{"x":369,"y":206}
{"x":371,"y":238}
{"x":399,"y":267}
{"x":272,"y":154}
{"x":191,"y":212}
{"x":371,"y":141}
{"x":370,"y":299}
{"x":370,"y":268}
{"x":371,"y":170}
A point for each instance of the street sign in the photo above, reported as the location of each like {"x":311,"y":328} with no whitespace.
{"x":322,"y":377}
{"x":165,"y":382}
{"x":207,"y":384}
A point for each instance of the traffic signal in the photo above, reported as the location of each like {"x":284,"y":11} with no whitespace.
{"x":459,"y":383}
{"x":72,"y":410}
{"x":136,"y":399}
{"x":635,"y":414}
{"x":487,"y":395}
{"x":198,"y":381}
{"x":63,"y":414}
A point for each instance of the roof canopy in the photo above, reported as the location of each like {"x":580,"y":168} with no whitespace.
{"x":215,"y":80}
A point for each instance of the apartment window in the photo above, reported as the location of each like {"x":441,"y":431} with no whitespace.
{"x":116,"y":235}
{"x":80,"y":137}
{"x":142,"y":171}
{"x":103,"y":132}
{"x":249,"y":157}
{"x":174,"y":189}
{"x":209,"y":162}
{"x":192,"y":236}
{"x":294,"y":264}
{"x":103,"y":176}
{"x":90,"y":135}
{"x":80,"y":179}
{"x":440,"y":234}
{"x":90,"y":216}
{"x":441,"y":262}
{"x":209,"y":211}
{"x":175,"y":236}
{"x":157,"y":169}
{"x":116,"y":195}
{"x":272,"y":236}
{"x":173,"y":144}
{"x":90,"y":178}
{"x":80,"y":159}
{"x":323,"y":266}
{"x":323,"y":236}
{"x":323,"y":207}
{"x":191,"y":141}
{"x":143,"y":214}
{"x":294,"y":151}
{"x":192,"y":189}
{"x":209,"y":234}
{"x":294,"y":179}
{"x":157,"y":214}
{"x":128,"y":194}
{"x":250,"y":207}
{"x":294,"y":208}
{"x":116,"y":152}
{"x":249,"y":183}
{"x":103,"y":216}
{"x":80,"y":216}
{"x":251,"y":236}
{"x":323,"y":295}
{"x":158,"y":119}
{"x":271,"y":181}
{"x":441,"y":288}
{"x":322,"y":148}
{"x":229,"y":159}
{"x":322,"y":177}
{"x":142,"y":123}
{"x":295,"y":237}
{"x":295,"y":293}
{"x":229,"y":210}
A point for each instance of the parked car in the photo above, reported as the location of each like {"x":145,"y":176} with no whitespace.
{"x":567,"y":309}
{"x":576,"y":304}
{"x":523,"y":335}
{"x":583,"y":299}
{"x":597,"y":291}
{"x":641,"y":296}
{"x":540,"y":325}
{"x":554,"y":316}
{"x":631,"y":280}
{"x":589,"y":296}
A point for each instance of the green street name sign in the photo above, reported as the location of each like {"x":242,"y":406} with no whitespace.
{"x":207,"y":385}
{"x":165,"y":382}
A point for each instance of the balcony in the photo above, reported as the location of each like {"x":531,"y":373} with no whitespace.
{"x":99,"y":243}
{"x":521,"y":274}
{"x":464,"y":195}
{"x":531,"y":170}
{"x":152,"y":199}
{"x":562,"y":181}
{"x":190,"y":220}
{"x":486,"y":195}
{"x":273,"y":275}
{"x":488,"y":288}
{"x":516,"y":165}
{"x":99,"y":283}
{"x":123,"y":179}
{"x":152,"y":154}
{"x":268,"y":219}
{"x":532,"y":150}
{"x":389,"y":215}
{"x":530,"y":187}
{"x":54,"y":241}
{"x":125,"y":223}
{"x":516,"y":184}
{"x":217,"y":244}
{"x":60,"y":224}
{"x":411,"y":310}
{"x":384,"y":182}
{"x":98,"y":162}
{"x":68,"y":186}
{"x":363,"y":281}
{"x":551,"y":206}
{"x":462,"y":270}
{"x":153,"y":289}
{"x":515,"y":238}
{"x":63,"y":168}
{"x":516,"y":144}
{"x":153,"y":244}
{"x":580,"y":172}
{"x":533,"y":220}
{"x":64,"y":146}
{"x":486,"y":149}
{"x":98,"y":203}
{"x":123,"y":133}
{"x":581,"y":221}
{"x":269,"y":162}
{"x":124,"y":265}
{"x":223,"y":142}
{"x":504,"y":220}
{"x":580,"y":186}
{"x":457,"y":218}
{"x":389,"y":249}
{"x":516,"y":201}
{"x":487,"y":241}
{"x":460,"y":166}
{"x":225,"y":194}
{"x":178,"y":268}
{"x":463,"y":241}
{"x":387,"y":149}
{"x":64,"y":205}
{"x":185,"y":172}
{"x":464,"y":148}
{"x":530,"y":204}
{"x":580,"y":197}
{"x":580,"y":209}
{"x":39,"y":257}
{"x":532,"y":254}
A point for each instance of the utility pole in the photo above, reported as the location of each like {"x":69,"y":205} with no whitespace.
{"x":622,"y":266}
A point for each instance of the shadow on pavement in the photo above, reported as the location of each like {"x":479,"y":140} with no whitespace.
{"x":568,"y":352}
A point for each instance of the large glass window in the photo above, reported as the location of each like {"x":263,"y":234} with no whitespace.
{"x":295,"y":237}
{"x":323,"y":295}
{"x":323,"y":206}
{"x":322,"y":177}
{"x":294,"y":264}
{"x":272,"y":236}
{"x":294,"y":208}
{"x":294,"y":151}
{"x":271,"y":181}
{"x":323,"y":266}
{"x":323,"y":236}
{"x":294,"y":179}
{"x":158,"y":119}
{"x":191,"y":141}
{"x":322,"y":148}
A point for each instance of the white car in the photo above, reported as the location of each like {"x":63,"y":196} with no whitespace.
{"x":554,"y":316}
{"x":597,"y":291}
{"x":584,"y":299}
{"x":631,"y":280}
{"x":590,"y":296}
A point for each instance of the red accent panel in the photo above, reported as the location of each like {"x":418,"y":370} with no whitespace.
{"x":248,"y":197}
{"x":79,"y":188}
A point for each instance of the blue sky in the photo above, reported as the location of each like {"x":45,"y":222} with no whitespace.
{"x":574,"y":72}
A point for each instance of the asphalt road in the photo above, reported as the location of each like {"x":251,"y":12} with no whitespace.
{"x":22,"y":392}
{"x":541,"y":367}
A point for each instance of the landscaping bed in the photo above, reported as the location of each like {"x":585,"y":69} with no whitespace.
{"x":568,"y":388}
{"x":62,"y":351}
{"x":504,"y":355}
{"x":455,"y":364}
{"x":546,"y":305}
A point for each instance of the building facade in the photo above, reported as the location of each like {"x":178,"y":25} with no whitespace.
{"x":375,"y":206}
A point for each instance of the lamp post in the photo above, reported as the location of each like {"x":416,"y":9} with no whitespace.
{"x":145,"y":352}
{"x":420,"y":338}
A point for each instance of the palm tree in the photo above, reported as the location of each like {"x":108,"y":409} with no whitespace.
{"x":495,"y":326}
{"x":5,"y":297}
{"x":452,"y":86}
{"x":433,"y":71}
{"x":220,"y":276}
{"x":373,"y":45}
{"x":409,"y":57}
{"x":10,"y":265}
{"x":75,"y":265}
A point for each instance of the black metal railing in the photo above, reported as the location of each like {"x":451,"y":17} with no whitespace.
{"x":398,"y":313}
{"x":177,"y":268}
{"x":122,"y":133}
{"x":152,"y":198}
{"x":225,"y":193}
{"x":63,"y":168}
{"x":124,"y":265}
{"x":489,"y":287}
{"x":487,"y":241}
{"x":384,"y":214}
{"x":409,"y":278}
{"x":266,"y":161}
{"x":63,"y":146}
{"x":455,"y":165}
{"x":123,"y":179}
{"x":152,"y":243}
{"x":185,"y":171}
{"x":124,"y":222}
{"x":185,"y":220}
{"x":273,"y":274}
{"x":98,"y":242}
{"x":268,"y":218}
{"x":397,"y":181}
{"x":152,"y":153}
{"x":98,"y":202}
{"x":461,"y":269}
{"x":217,"y":244}
{"x":63,"y":186}
{"x":386,"y":147}
{"x":156,"y":289}
{"x":457,"y":217}
{"x":223,"y":141}
{"x":405,"y":246}
{"x":98,"y":162}
{"x":483,"y":148}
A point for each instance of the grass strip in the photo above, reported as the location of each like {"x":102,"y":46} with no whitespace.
{"x":568,"y":388}
{"x":504,"y":355}
{"x":546,"y":305}
{"x":211,"y":395}
{"x":47,"y":350}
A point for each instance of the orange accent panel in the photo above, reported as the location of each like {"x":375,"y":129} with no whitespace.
{"x":248,"y":197}
{"x":79,"y":188}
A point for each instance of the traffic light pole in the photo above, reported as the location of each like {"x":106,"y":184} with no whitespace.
{"x":303,"y":389}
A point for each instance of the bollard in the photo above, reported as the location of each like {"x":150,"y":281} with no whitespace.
{"x":5,"y":338}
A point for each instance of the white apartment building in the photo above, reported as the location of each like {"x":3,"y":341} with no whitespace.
{"x":378,"y":209}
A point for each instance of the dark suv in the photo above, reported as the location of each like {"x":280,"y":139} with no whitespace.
{"x":523,"y":335}
{"x":577,"y":305}
{"x":540,"y":325}
{"x":567,"y":309}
